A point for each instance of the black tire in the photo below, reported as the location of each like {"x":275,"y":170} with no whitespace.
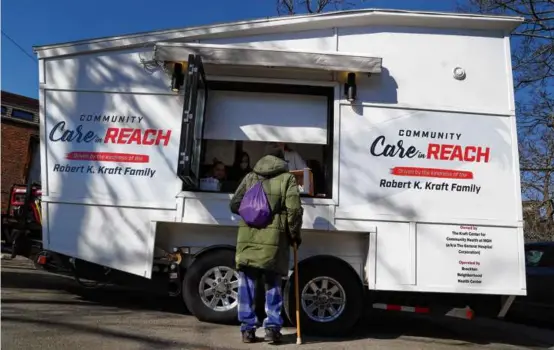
{"x":351,"y":285}
{"x":89,"y":275}
{"x":191,"y":284}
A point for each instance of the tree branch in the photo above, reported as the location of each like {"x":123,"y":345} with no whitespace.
{"x":537,"y":169}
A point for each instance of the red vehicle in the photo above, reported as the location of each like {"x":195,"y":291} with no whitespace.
{"x":22,"y":223}
{"x":22,"y":235}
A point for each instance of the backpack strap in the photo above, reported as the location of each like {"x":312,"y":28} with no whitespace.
{"x":279,"y":205}
{"x":261,"y":179}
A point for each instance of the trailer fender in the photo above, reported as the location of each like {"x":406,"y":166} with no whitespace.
{"x":326,"y":259}
{"x":211,"y":249}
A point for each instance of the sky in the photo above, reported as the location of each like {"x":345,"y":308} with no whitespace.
{"x":41,"y":22}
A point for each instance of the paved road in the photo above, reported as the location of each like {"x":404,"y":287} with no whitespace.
{"x":43,"y":311}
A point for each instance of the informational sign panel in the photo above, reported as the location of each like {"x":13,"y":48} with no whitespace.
{"x":451,"y":178}
{"x":423,"y":164}
{"x":113,"y":147}
{"x":468,"y":257}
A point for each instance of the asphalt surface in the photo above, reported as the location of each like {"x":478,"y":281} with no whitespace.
{"x":44,"y":311}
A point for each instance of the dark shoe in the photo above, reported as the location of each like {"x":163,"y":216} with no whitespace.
{"x":249,"y":336}
{"x":272,"y":336}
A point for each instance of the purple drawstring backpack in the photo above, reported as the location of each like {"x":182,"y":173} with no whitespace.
{"x":254,"y":207}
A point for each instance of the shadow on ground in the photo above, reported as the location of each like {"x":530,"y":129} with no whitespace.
{"x":148,"y":341}
{"x":124,"y":298}
{"x":376,"y":325}
{"x":425,"y":329}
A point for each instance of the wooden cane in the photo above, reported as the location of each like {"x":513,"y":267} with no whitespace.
{"x":297,"y":295}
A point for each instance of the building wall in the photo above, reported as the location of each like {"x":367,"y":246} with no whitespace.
{"x":15,"y":152}
{"x":16,"y":137}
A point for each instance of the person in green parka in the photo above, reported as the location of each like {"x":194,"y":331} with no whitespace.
{"x":265,"y":253}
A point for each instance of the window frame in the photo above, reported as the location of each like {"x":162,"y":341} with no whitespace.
{"x":15,"y":110}
{"x":327,"y":89}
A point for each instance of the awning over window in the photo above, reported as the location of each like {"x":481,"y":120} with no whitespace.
{"x":240,"y":55}
{"x":250,"y":116}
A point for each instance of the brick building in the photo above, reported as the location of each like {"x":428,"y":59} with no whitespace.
{"x":20,"y":151}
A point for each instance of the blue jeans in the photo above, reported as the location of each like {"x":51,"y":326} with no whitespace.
{"x":247,"y":297}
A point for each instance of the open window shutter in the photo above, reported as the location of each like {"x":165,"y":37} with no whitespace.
{"x":192,"y":128}
{"x":267,"y":117}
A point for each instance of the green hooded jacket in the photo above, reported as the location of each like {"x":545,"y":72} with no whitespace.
{"x":268,"y":248}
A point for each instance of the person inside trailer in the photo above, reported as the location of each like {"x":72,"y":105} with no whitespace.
{"x":293,"y":159}
{"x":219,"y":172}
{"x":241,"y":167}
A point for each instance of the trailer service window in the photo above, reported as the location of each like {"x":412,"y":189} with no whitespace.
{"x":242,"y":119}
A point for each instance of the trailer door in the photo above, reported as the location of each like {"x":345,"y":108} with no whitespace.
{"x":192,"y":127}
{"x":109,"y":171}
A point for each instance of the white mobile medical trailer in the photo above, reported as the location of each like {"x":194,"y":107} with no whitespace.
{"x":406,"y":119}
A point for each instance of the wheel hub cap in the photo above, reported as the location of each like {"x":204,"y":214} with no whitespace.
{"x":218,"y":288}
{"x":323,"y":299}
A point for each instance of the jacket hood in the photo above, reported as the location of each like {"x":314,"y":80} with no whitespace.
{"x":269,"y":166}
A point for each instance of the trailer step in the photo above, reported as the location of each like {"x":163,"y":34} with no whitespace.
{"x":465,"y":313}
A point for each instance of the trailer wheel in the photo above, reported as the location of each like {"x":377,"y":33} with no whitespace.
{"x":94,"y":276}
{"x":210,"y":287}
{"x":331,"y":298}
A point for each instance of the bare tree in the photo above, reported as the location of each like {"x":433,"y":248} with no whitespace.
{"x":537,"y":184}
{"x":533,"y":69}
{"x":532,"y":53}
{"x":293,"y":7}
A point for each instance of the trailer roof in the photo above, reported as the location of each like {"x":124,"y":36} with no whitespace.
{"x":295,"y":23}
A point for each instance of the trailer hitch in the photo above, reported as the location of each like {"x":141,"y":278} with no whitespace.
{"x":174,"y":287}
